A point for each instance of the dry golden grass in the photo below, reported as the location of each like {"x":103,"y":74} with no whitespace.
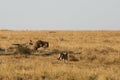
{"x":95,"y":55}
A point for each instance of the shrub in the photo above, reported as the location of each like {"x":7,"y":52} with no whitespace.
{"x":21,"y":49}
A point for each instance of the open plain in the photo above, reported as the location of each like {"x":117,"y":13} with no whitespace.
{"x":93,"y":55}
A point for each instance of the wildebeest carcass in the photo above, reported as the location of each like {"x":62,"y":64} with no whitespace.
{"x":39,"y":44}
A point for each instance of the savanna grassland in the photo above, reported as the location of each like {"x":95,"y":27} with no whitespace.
{"x":93,"y":55}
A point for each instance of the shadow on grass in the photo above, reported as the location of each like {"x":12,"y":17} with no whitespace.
{"x":50,"y":53}
{"x":39,"y":53}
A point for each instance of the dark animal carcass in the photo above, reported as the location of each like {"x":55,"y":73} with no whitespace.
{"x":41,"y":43}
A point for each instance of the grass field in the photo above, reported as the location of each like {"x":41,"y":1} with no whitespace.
{"x":94,"y":55}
